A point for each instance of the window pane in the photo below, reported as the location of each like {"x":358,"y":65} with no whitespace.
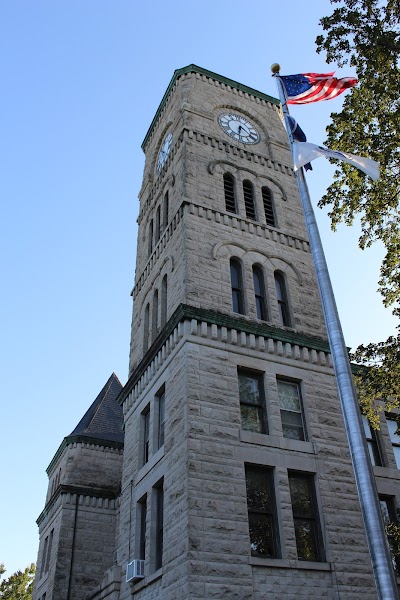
{"x":292,"y":425}
{"x":236,"y":302}
{"x":396,"y":450}
{"x":305,"y":539}
{"x":236,"y":284}
{"x":259,"y":489}
{"x":385,"y":511}
{"x":259,"y":291}
{"x":367,"y":428}
{"x":261,"y":535}
{"x":257,"y":278}
{"x":372,"y":456}
{"x":251,"y":418}
{"x":288,"y":396}
{"x":282,"y":299}
{"x":305,"y":517}
{"x":392,"y":426}
{"x":249,"y":389}
{"x":159,"y":527}
{"x":262,"y":514}
{"x":161,"y":419}
{"x":301,"y":496}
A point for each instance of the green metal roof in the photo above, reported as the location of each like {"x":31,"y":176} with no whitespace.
{"x":220,"y":78}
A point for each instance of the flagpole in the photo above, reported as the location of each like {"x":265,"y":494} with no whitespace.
{"x":370,"y":508}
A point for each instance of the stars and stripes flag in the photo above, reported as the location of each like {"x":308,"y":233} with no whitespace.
{"x":305,"y":88}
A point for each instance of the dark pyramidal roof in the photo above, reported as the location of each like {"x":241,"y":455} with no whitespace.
{"x":104,"y":419}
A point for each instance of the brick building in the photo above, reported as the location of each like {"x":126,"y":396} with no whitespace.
{"x":222,"y":464}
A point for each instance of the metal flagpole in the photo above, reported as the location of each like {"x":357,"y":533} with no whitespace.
{"x":370,"y":507}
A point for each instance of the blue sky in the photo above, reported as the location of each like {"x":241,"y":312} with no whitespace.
{"x":81,"y":82}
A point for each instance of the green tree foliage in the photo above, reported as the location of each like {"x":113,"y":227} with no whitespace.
{"x":18,"y":586}
{"x":365,"y":34}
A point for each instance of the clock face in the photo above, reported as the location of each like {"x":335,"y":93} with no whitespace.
{"x":164,"y":152}
{"x":239,"y":128}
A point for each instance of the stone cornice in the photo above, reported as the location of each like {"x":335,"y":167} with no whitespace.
{"x":217,"y":216}
{"x":234,"y":330}
{"x":85,"y":492}
{"x":207,"y":75}
{"x":82,"y":439}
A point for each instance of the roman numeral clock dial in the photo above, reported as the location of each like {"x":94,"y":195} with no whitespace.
{"x":239,"y":128}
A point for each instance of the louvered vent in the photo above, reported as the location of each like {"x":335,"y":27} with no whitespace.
{"x":249,"y":200}
{"x":268,"y":207}
{"x":229,"y":189}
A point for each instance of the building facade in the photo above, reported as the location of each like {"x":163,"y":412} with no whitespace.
{"x":232,"y":478}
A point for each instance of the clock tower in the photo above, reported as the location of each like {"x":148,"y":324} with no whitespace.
{"x":236,"y":463}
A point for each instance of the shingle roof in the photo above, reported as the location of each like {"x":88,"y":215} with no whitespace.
{"x":104,"y":419}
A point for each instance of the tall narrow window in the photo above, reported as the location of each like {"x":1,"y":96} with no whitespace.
{"x":261,"y":508}
{"x":146,"y":325}
{"x":372,"y":442}
{"x":165,"y":210}
{"x":44,"y":557}
{"x":229,"y":189}
{"x":237,"y":287}
{"x":289,"y":400}
{"x":141,"y":528}
{"x":281,"y":295}
{"x":252,"y":401}
{"x":259,"y":291}
{"x":395,"y":439}
{"x":161,"y":417}
{"x":389,"y":516}
{"x":154,"y":317}
{"x":151,"y":239}
{"x":268,"y":206}
{"x":146,"y":434}
{"x":164,"y":300}
{"x":49,"y":550}
{"x":159,"y":539}
{"x":158,"y":224}
{"x":305,"y":517}
{"x":248,"y":194}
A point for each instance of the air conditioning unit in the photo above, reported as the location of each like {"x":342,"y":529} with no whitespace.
{"x":135,"y":570}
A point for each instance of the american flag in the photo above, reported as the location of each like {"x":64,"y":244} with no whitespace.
{"x":305,"y":88}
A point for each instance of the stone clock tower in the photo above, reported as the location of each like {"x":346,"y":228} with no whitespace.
{"x":236,"y":477}
{"x":235,"y":459}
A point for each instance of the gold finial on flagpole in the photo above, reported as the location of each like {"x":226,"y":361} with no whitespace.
{"x":275,"y":68}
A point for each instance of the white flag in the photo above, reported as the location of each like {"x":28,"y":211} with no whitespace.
{"x":305,"y":152}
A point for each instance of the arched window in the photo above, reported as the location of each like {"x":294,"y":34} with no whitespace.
{"x":248,"y":193}
{"x":164,"y":301}
{"x":229,"y":189}
{"x":158,"y":223}
{"x":268,"y":206}
{"x":237,"y":286}
{"x":259,"y":291}
{"x":165,"y":211}
{"x":146,"y":323}
{"x":281,"y":295}
{"x":154,"y":316}
{"x":151,"y":241}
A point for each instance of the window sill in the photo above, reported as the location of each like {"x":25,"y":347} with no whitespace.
{"x":273,"y":441}
{"x":387,"y":472}
{"x":136,"y":587}
{"x":281,"y":563}
{"x":157,"y":456}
